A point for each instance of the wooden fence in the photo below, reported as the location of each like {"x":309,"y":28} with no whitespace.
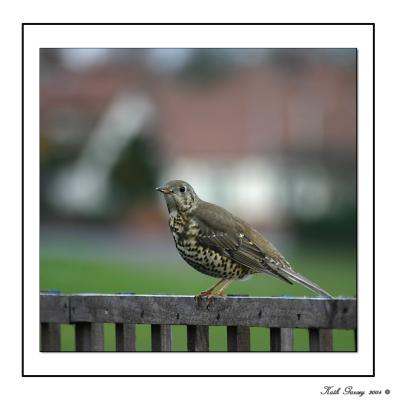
{"x":88,"y":312}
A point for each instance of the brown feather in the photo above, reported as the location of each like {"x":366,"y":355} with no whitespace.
{"x":222,"y":231}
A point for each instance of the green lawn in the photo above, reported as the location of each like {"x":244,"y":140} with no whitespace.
{"x":334,"y":270}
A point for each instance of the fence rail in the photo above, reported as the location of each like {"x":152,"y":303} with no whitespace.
{"x":88,"y":312}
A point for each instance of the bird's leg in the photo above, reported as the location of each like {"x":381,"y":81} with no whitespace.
{"x":220,"y":293}
{"x":225,"y":286}
{"x":208,"y":291}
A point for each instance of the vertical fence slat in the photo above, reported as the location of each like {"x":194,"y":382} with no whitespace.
{"x":89,"y":336}
{"x":161,"y":337}
{"x":320,"y":339}
{"x":197,"y":338}
{"x":281,"y":339}
{"x":125,"y":337}
{"x":355,"y":340}
{"x":238,"y":338}
{"x":50,"y":336}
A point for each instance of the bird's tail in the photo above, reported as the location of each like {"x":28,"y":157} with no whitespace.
{"x":297,"y":277}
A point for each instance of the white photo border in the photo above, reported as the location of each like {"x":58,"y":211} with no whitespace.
{"x":359,"y":36}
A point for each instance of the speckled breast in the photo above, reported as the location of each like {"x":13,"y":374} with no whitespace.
{"x":186,"y":233}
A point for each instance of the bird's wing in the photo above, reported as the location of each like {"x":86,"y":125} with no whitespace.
{"x":231,"y":236}
{"x":223,"y":232}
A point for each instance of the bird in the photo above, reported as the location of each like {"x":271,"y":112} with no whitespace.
{"x":217,"y":243}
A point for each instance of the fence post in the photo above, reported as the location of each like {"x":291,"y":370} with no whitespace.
{"x":238,"y":338}
{"x":161,"y":337}
{"x":125,"y":337}
{"x":281,"y":339}
{"x":89,"y":336}
{"x":50,"y":336}
{"x":197,"y":338}
{"x":355,"y":340}
{"x":320,"y":339}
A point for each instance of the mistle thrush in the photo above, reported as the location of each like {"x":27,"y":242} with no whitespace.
{"x":217,"y":243}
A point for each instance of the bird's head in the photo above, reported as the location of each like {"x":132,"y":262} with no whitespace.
{"x":179,"y":196}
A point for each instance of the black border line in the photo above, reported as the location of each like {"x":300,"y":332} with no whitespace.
{"x":198,"y":23}
{"x":23,"y":195}
{"x":373,"y":189}
{"x":373,"y":195}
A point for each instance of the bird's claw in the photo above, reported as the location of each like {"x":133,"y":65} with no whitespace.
{"x":201,"y":295}
{"x":209,"y":296}
{"x":197,"y":299}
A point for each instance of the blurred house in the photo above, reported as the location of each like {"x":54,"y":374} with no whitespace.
{"x":266,"y":142}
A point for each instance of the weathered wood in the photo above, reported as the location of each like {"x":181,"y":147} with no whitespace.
{"x":355,"y":340}
{"x":183,"y":310}
{"x":281,"y":339}
{"x":89,"y":336}
{"x":238,"y":338}
{"x":320,"y":339}
{"x":125,"y":337}
{"x":197,"y":338}
{"x":54,"y":308}
{"x":50,"y":336}
{"x":161,"y":337}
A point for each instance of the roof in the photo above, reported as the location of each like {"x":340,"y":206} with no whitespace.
{"x":254,"y":110}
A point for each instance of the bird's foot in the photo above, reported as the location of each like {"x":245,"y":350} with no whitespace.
{"x":212,"y":296}
{"x":205,"y":293}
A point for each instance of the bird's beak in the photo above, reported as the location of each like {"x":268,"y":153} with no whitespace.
{"x":164,"y":189}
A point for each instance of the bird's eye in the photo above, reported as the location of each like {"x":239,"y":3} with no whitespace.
{"x":182,"y":189}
